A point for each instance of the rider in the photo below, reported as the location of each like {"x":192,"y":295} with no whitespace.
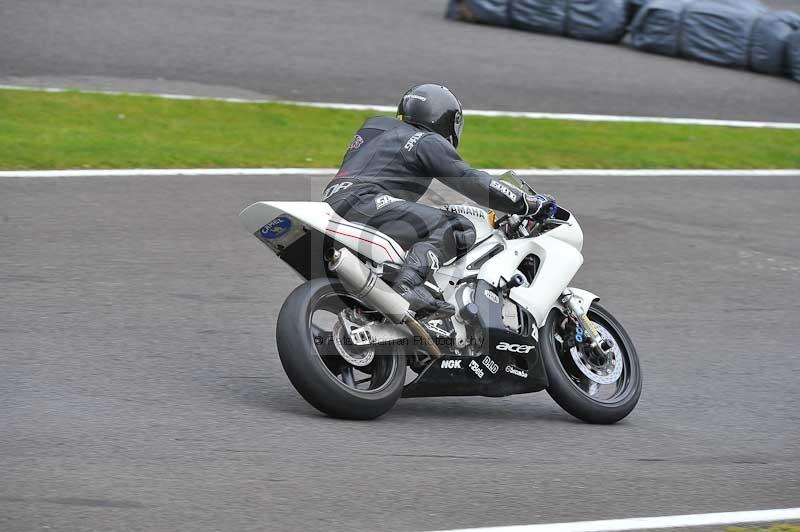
{"x":390,"y":164}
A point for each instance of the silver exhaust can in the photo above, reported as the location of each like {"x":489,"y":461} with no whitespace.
{"x":362,"y":283}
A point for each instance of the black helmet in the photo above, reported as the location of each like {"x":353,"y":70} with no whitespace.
{"x":435,"y":108}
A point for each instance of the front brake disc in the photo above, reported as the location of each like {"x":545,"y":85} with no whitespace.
{"x":608,"y":373}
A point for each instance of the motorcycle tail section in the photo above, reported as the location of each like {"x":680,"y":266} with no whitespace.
{"x":300,"y":233}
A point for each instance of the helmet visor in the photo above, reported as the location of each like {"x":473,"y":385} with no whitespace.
{"x":458,"y":127}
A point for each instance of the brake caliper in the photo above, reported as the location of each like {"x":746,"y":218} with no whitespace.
{"x":584,"y":328}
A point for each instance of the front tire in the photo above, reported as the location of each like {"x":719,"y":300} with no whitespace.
{"x":571,"y":383}
{"x":325,"y":379}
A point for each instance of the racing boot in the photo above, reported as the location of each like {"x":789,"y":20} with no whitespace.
{"x":421,"y":259}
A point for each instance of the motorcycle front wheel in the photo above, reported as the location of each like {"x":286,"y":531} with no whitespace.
{"x":335,"y":376}
{"x":595,"y":391}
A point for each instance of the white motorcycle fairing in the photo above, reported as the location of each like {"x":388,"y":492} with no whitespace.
{"x":294,"y":230}
{"x":559,"y":253}
{"x":478,"y":217}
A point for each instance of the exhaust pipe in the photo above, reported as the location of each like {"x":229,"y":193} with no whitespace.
{"x":363,"y":284}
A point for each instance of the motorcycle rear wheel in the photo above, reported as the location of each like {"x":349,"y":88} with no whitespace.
{"x":315,"y":367}
{"x":568,"y":382}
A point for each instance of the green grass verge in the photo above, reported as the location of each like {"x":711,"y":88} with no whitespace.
{"x":41,"y":130}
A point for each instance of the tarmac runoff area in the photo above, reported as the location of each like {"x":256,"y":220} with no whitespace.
{"x":142,"y":389}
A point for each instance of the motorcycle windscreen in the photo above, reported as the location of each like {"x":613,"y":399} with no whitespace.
{"x":513,"y":179}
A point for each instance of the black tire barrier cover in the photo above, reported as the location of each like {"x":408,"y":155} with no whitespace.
{"x":793,"y":55}
{"x":768,"y":41}
{"x":739,"y":34}
{"x":735,"y":33}
{"x":593,"y":20}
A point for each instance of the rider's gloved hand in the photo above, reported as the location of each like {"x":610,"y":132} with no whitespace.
{"x":540,"y":206}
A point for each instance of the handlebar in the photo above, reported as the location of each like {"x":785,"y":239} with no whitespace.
{"x":514,"y":224}
{"x":556,"y":221}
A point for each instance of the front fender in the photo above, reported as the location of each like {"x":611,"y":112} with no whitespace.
{"x":586,"y":298}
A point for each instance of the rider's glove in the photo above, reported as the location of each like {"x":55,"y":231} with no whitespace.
{"x":540,"y":206}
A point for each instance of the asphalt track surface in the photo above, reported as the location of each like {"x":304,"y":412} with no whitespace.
{"x":141,"y":388}
{"x":362,"y":52}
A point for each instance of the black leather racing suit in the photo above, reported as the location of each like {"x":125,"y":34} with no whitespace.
{"x":388,"y":167}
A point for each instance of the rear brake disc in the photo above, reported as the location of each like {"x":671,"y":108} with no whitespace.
{"x":355,"y":355}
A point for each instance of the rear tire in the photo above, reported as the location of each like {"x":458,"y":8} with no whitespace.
{"x":311,"y":367}
{"x":564,"y":377}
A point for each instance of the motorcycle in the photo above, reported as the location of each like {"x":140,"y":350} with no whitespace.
{"x":351,"y":347}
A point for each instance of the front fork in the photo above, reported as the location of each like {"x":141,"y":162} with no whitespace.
{"x":584,"y":328}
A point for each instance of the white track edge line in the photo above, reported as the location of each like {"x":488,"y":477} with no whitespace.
{"x":390,"y":109}
{"x":649,"y":523}
{"x":532,"y":172}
